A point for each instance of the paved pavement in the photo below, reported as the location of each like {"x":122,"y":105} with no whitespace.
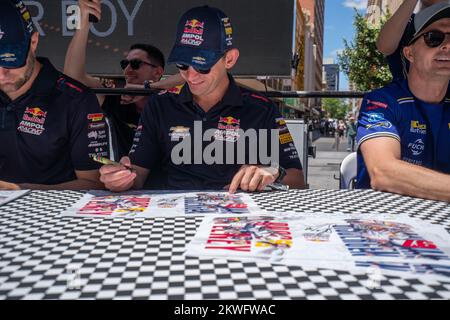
{"x":321,"y":171}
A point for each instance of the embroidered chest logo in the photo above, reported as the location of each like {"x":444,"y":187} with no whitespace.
{"x":179,"y":132}
{"x":33,"y":121}
{"x":228,"y":129}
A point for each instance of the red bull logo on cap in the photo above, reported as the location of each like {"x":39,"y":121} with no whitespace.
{"x":193,"y":33}
{"x":194,"y":26}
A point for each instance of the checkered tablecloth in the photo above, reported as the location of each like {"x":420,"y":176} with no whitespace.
{"x":46,"y":256}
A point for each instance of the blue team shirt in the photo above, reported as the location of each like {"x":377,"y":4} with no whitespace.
{"x":423,"y":129}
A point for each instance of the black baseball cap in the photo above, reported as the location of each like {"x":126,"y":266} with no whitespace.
{"x":426,"y":17}
{"x":204,"y":34}
{"x":16,"y":29}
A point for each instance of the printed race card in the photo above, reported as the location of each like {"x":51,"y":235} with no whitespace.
{"x":128,"y":206}
{"x":392,"y":244}
{"x":206,"y":203}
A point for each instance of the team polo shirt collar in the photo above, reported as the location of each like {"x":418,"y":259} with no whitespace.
{"x":46,"y":80}
{"x":232,"y":97}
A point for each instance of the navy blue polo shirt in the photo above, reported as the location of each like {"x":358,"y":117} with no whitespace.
{"x":174,"y":139}
{"x":50,"y":131}
{"x":423,"y":129}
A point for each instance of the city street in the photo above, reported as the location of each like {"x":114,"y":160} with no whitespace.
{"x":326,"y":165}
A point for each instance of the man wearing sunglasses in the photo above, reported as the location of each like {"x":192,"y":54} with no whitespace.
{"x":211,"y":101}
{"x":143,"y":67}
{"x":404,"y":128}
{"x":50,"y":125}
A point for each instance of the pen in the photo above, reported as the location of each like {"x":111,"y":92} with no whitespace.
{"x":107,"y":161}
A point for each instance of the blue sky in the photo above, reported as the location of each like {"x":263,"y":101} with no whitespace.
{"x":338,"y":26}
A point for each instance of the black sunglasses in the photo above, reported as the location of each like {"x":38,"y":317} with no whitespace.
{"x":184,"y":67}
{"x":135,"y":64}
{"x":433,"y":38}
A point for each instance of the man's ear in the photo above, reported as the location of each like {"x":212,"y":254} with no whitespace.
{"x":231,"y":57}
{"x":34,"y":42}
{"x":159,"y":73}
{"x":408,"y":53}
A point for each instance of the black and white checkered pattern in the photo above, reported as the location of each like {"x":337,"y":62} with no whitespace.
{"x":46,"y":256}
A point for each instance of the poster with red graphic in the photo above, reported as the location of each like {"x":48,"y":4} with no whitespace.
{"x":148,"y":205}
{"x":207,"y":203}
{"x":125,"y":206}
{"x":389,"y":243}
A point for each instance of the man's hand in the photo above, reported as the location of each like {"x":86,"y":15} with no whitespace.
{"x":118,"y":178}
{"x":125,"y":99}
{"x":87,"y":7}
{"x":8,"y":186}
{"x":253,"y":178}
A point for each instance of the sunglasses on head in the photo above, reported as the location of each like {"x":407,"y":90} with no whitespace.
{"x":184,"y":67}
{"x":135,"y":64}
{"x":433,"y":38}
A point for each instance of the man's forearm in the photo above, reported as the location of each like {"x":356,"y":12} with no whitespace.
{"x":392,"y":31}
{"x":78,"y":184}
{"x":75,"y":62}
{"x":412,"y":180}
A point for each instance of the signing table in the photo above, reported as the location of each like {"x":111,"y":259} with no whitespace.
{"x":46,"y":256}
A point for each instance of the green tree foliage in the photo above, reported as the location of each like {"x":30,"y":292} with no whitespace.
{"x":364,"y":65}
{"x":336,"y":108}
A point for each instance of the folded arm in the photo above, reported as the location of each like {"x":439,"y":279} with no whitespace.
{"x":389,"y":173}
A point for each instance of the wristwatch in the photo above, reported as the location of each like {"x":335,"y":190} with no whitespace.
{"x":147,"y":84}
{"x":281,"y":172}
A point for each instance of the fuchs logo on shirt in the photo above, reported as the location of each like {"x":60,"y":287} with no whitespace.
{"x":193,"y":33}
{"x":33,"y":121}
{"x":417,"y":147}
{"x":179,"y":132}
{"x":417,"y":127}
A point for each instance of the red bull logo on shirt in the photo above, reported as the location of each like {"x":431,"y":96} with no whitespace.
{"x":33,"y":121}
{"x":229,"y":123}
